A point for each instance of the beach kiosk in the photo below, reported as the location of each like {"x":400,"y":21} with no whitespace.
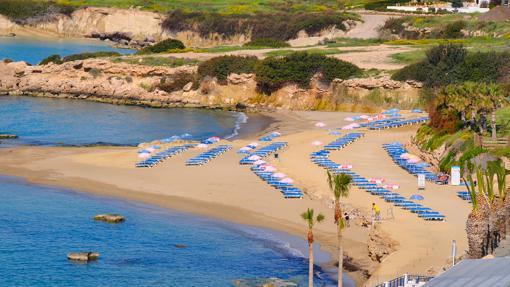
{"x":455,"y":172}
{"x":421,"y":181}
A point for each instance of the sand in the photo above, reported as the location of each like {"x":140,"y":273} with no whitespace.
{"x":227,"y":190}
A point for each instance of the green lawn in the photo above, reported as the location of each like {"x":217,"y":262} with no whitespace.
{"x":221,"y":6}
{"x":352,"y":42}
{"x":503,"y":119}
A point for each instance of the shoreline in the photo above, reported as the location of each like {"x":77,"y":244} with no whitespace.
{"x":215,"y":211}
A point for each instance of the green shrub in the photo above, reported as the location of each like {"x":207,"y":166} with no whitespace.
{"x":21,"y":10}
{"x":450,"y":64}
{"x":298,"y":68}
{"x":163,"y":46}
{"x":221,"y":67}
{"x":267,"y":42}
{"x":91,"y":55}
{"x":454,"y":30}
{"x":55,"y":59}
{"x":178,"y":81}
{"x":282,"y":26}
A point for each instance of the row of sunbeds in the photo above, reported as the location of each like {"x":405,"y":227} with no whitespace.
{"x":321,"y":158}
{"x":263,"y":152}
{"x":209,"y":155}
{"x":287,"y":189}
{"x":465,"y":195}
{"x":270,"y":137}
{"x":396,"y":150}
{"x":396,"y":123}
{"x":161,"y":156}
{"x":341,"y":142}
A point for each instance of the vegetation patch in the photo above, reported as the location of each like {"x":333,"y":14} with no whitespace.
{"x":23,"y":11}
{"x":281,"y":26}
{"x":352,"y":42}
{"x":267,"y":43}
{"x":167,"y":45}
{"x":298,"y":68}
{"x":57,"y":59}
{"x":448,"y":64}
{"x":221,"y":67}
{"x":280,"y":53}
{"x":157,"y":61}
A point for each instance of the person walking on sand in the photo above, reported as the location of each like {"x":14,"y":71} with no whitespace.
{"x":377,"y":212}
{"x":347,"y":218}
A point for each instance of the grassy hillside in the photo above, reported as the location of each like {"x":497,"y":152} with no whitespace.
{"x":219,"y":6}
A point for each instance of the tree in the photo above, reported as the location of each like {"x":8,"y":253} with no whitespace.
{"x":339,"y":184}
{"x":310,"y":219}
{"x":457,"y":4}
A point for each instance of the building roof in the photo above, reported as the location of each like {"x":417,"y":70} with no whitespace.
{"x":475,"y":273}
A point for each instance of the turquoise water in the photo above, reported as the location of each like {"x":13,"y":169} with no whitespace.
{"x":32,"y":50}
{"x":42,"y":121}
{"x":40,"y":225}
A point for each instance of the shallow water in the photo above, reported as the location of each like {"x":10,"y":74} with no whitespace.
{"x":33,"y":50}
{"x":40,"y":225}
{"x":42,"y":121}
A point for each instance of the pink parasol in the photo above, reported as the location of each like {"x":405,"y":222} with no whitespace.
{"x":287,"y":180}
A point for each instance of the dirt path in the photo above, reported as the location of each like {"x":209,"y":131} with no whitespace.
{"x":369,"y":27}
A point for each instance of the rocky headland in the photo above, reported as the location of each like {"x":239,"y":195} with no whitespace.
{"x":103,"y":80}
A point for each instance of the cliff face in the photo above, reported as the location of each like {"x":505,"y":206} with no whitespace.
{"x":140,"y":26}
{"x":122,"y":83}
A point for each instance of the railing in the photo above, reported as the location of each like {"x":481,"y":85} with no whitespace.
{"x":406,"y":281}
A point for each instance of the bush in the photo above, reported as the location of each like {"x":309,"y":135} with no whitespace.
{"x":267,"y":42}
{"x":438,"y":69}
{"x":20,"y":11}
{"x":450,"y":64}
{"x":84,"y":56}
{"x":282,"y":26}
{"x":221,"y":67}
{"x":454,"y":30}
{"x":298,"y":68}
{"x":163,"y":46}
{"x":55,"y":59}
{"x":457,"y":3}
{"x":178,"y":81}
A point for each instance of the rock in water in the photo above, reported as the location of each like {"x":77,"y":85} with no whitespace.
{"x":110,"y":218}
{"x":83,"y":256}
{"x":8,"y":136}
{"x":180,"y":246}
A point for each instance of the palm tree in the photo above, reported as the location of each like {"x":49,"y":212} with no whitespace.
{"x":339,"y":185}
{"x":310,"y":220}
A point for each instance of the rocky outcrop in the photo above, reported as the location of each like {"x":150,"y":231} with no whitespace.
{"x":117,"y":82}
{"x":83,"y":256}
{"x":380,"y":244}
{"x":110,"y":218}
{"x":8,"y":136}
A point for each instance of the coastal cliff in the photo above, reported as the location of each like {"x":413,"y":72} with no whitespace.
{"x":136,"y":28}
{"x":104,"y":80}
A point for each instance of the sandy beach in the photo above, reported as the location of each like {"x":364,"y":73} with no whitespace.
{"x":224,"y":189}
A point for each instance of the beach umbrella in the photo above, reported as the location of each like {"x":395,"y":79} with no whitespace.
{"x":254,"y":157}
{"x":276,"y":134}
{"x":416,"y":197}
{"x":316,"y":143}
{"x":287,"y":180}
{"x":413,"y":160}
{"x":345,"y":166}
{"x":347,"y":127}
{"x":245,"y":148}
{"x":269,"y":168}
{"x":335,"y":133}
{"x":202,"y":145}
{"x":349,"y":119}
{"x":259,"y":162}
{"x":405,"y":156}
{"x":150,"y":149}
{"x":279,"y":175}
{"x":144,"y":155}
{"x":355,"y":125}
{"x":254,"y":144}
{"x":320,"y":125}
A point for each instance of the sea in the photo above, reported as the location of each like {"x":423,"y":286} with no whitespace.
{"x":40,"y":224}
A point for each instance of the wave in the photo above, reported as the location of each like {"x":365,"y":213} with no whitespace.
{"x":242,"y":118}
